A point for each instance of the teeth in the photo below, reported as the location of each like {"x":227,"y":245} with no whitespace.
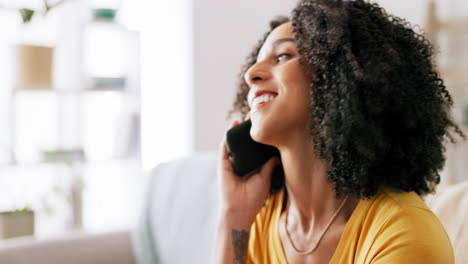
{"x":263,"y":99}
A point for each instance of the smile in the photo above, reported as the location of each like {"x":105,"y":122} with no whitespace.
{"x":262,"y":100}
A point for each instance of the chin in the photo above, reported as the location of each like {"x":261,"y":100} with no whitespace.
{"x":260,"y":134}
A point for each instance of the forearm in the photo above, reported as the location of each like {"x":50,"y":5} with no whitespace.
{"x":232,"y":240}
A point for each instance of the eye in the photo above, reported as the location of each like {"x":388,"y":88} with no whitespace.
{"x":282,"y":56}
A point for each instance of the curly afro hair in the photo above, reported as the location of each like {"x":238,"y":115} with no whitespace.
{"x":380,"y":111}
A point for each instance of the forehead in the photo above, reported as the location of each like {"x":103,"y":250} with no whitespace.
{"x":282,"y":31}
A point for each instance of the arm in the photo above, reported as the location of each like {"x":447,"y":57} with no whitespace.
{"x":232,"y":239}
{"x":241,"y":200}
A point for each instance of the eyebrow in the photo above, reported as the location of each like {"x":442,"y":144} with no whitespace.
{"x":279,"y":41}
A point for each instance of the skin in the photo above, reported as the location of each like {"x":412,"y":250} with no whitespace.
{"x":282,"y":123}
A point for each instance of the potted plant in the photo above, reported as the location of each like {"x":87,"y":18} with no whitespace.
{"x":16,"y":223}
{"x":34,"y":62}
{"x":27,"y":13}
{"x":73,"y":159}
{"x":21,"y":221}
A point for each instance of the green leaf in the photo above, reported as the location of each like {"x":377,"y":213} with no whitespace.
{"x":26,"y":14}
{"x":47,"y":6}
{"x":26,"y":209}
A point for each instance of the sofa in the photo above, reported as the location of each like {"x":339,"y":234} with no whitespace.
{"x":177,"y":221}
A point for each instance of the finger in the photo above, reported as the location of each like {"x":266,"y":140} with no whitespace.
{"x":224,"y":159}
{"x":222,"y":146}
{"x":223,"y":150}
{"x":234,"y":123}
{"x":247,"y":116}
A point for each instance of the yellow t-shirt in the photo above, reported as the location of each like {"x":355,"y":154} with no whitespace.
{"x":392,"y":227}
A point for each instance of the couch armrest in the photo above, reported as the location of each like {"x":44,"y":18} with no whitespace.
{"x":105,"y":248}
{"x":450,"y":204}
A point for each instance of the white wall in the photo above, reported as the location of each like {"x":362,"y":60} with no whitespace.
{"x":166,"y":76}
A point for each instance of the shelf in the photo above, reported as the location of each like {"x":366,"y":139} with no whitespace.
{"x":36,"y":165}
{"x":455,"y":75}
{"x":73,"y":92}
{"x":453,"y":24}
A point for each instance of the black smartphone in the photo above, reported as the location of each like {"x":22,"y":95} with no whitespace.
{"x":248,"y":155}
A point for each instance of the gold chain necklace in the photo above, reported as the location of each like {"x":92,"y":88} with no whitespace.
{"x":321,"y":235}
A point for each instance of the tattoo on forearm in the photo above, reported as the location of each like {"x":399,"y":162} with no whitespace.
{"x":240,"y":240}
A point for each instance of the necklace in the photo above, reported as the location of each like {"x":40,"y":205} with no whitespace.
{"x":321,"y":235}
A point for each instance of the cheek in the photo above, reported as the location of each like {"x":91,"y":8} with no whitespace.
{"x":292,"y":73}
{"x":296,"y":84}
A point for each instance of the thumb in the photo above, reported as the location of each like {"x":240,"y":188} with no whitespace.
{"x":234,"y":123}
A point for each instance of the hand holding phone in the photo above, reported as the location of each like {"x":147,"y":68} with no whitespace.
{"x":248,"y":155}
{"x":243,"y":198}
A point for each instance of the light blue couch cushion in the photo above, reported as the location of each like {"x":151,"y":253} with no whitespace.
{"x":178,"y":220}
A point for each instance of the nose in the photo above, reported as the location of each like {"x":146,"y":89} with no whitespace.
{"x":256,"y":73}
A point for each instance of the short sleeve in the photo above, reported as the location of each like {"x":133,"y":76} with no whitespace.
{"x":414,"y":235}
{"x":264,"y":246}
{"x":256,"y":236}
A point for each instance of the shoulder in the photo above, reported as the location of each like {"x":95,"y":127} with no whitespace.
{"x":405,"y":229}
{"x":403,"y":210}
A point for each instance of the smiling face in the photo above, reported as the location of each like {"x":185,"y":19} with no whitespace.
{"x":279,"y":90}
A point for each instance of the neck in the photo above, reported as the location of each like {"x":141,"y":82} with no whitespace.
{"x":311,"y":198}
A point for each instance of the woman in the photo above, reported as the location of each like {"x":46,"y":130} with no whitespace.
{"x":350,"y":97}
